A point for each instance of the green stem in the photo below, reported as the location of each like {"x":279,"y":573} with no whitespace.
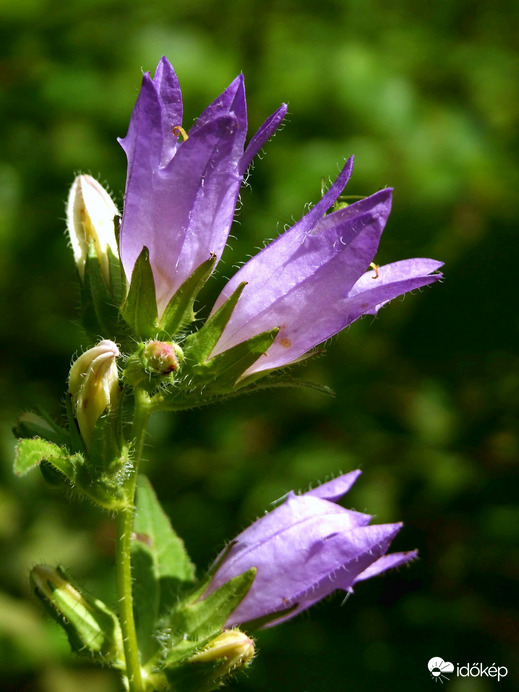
{"x":123,"y":550}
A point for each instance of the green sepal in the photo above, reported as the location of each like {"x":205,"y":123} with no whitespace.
{"x":99,"y":309}
{"x":91,"y":626}
{"x":194,"y":676}
{"x":180,"y":673}
{"x":220,"y":374}
{"x":160,"y":564}
{"x":51,"y":476}
{"x":142,"y":371}
{"x":272,"y":380}
{"x":106,"y":444}
{"x":179,"y":311}
{"x":198,"y":346}
{"x":117,"y":276}
{"x":184,"y":399}
{"x":76,"y":441}
{"x":258,"y":623}
{"x":140,"y":308}
{"x":205,"y":618}
{"x":105,"y":490}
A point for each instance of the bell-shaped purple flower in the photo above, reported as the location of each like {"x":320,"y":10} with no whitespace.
{"x":303,"y":551}
{"x":313,"y":280}
{"x":181,"y":189}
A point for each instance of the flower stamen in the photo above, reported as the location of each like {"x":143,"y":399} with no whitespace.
{"x":179,"y":131}
{"x":375,"y":268}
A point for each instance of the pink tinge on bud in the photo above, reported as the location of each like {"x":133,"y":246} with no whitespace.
{"x":161,"y":356}
{"x":94,"y":385}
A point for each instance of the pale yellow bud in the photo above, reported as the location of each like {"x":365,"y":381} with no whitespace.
{"x":94,"y":385}
{"x":231,"y":648}
{"x":90,"y":219}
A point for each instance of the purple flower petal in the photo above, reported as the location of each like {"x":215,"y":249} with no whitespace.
{"x":335,"y":489}
{"x":196,"y":195}
{"x":230,"y":102}
{"x":386,"y":562}
{"x":265,"y":132}
{"x":157,"y":110}
{"x":370,"y":293}
{"x":170,"y":99}
{"x":297,"y":509}
{"x":181,"y":195}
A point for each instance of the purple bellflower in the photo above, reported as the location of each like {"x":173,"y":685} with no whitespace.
{"x":181,"y":195}
{"x":311,"y":282}
{"x":304,"y":550}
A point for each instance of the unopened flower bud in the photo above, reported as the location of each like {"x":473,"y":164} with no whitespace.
{"x":90,"y":219}
{"x":154,"y":363}
{"x":90,"y":625}
{"x":162,"y":357}
{"x":94,"y":386}
{"x":232,"y":649}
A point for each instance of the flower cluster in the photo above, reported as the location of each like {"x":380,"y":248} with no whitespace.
{"x":141,"y":273}
{"x":181,"y":192}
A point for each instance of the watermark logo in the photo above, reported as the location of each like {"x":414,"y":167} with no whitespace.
{"x":439,"y":669}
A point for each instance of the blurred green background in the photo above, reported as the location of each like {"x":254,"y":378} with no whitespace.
{"x":426,"y":97}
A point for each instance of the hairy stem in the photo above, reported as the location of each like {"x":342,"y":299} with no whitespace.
{"x":123,"y":550}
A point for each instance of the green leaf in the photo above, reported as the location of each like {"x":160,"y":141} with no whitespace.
{"x":161,"y":566}
{"x":198,"y":346}
{"x":155,"y":535}
{"x":31,"y":452}
{"x":179,"y":311}
{"x":140,"y":307}
{"x":104,"y":490}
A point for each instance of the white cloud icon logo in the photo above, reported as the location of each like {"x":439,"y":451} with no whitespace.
{"x":438,"y":667}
